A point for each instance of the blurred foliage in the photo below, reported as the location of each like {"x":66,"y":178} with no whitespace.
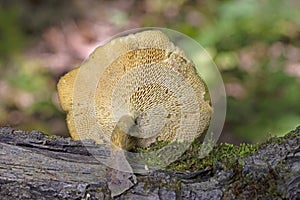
{"x":11,"y":37}
{"x":255,"y":44}
{"x":270,"y":104}
{"x":26,"y":86}
{"x":240,"y":23}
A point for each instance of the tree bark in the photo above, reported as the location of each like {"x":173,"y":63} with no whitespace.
{"x":33,"y":166}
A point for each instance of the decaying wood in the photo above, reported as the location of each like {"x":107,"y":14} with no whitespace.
{"x":33,"y":166}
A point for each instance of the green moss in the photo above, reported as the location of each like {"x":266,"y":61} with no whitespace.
{"x":224,"y":154}
{"x":230,"y":157}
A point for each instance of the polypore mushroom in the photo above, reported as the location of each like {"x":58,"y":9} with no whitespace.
{"x":136,"y":90}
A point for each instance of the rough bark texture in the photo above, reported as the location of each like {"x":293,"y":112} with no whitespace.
{"x":33,"y":166}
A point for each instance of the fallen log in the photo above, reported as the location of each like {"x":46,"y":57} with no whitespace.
{"x":35,"y":166}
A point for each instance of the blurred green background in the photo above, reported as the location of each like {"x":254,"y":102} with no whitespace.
{"x":255,"y":44}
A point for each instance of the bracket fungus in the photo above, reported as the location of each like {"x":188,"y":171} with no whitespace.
{"x":134,"y":91}
{"x":147,"y":89}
